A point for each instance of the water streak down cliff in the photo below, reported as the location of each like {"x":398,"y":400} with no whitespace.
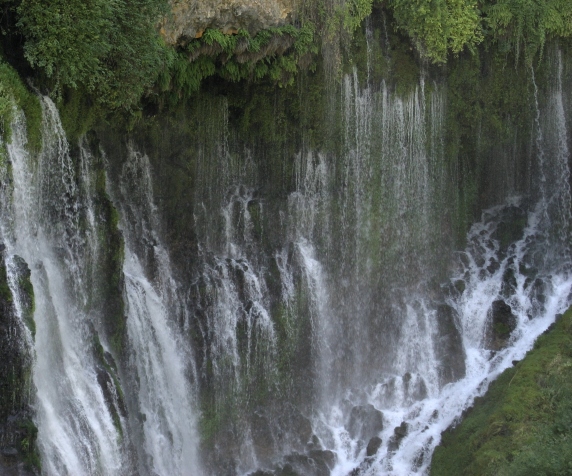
{"x":208,"y":304}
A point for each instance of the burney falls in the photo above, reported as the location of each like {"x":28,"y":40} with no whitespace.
{"x":285,"y":237}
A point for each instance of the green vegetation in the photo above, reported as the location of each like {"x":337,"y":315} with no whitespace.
{"x":27,"y":446}
{"x":16,"y":376}
{"x":523,"y":425}
{"x":112,"y":55}
{"x":275,"y":54}
{"x":110,"y":264}
{"x":5,"y":293}
{"x":110,"y":49}
{"x":523,"y":26}
{"x":106,"y":361}
{"x":439,"y":27}
{"x":14,"y":93}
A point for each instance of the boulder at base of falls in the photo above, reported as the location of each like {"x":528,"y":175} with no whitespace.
{"x":449,"y":349}
{"x":365,"y":422}
{"x":399,"y":433}
{"x":373,"y":446}
{"x":371,"y":450}
{"x":502,"y":323}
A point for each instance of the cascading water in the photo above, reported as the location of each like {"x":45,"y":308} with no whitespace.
{"x":159,"y":371}
{"x":53,"y":223}
{"x":77,"y":433}
{"x":527,"y":279}
{"x":322,"y":326}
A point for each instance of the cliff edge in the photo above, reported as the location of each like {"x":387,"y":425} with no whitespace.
{"x":189,"y":18}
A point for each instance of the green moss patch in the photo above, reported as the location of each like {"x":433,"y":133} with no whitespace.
{"x":14,"y":92}
{"x":523,"y":425}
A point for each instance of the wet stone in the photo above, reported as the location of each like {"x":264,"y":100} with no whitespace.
{"x":373,"y":446}
{"x":416,"y":390}
{"x":502,"y":324}
{"x":365,"y":422}
{"x":316,"y":463}
{"x":510,"y":229}
{"x":314,"y":443}
{"x":402,"y":430}
{"x":9,"y":452}
{"x":22,"y":268}
{"x":287,"y":470}
{"x":399,"y":433}
{"x":493,"y":267}
{"x":449,"y":351}
{"x":508,"y":282}
{"x":460,"y":286}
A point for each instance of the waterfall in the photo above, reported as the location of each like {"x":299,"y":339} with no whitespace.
{"x":160,"y":371}
{"x":530,"y":277}
{"x":52,"y":222}
{"x":313,"y":308}
{"x":77,"y":433}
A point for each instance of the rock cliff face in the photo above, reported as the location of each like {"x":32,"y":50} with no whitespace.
{"x":189,"y":18}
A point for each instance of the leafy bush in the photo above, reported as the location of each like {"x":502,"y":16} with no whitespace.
{"x":275,"y":54}
{"x":110,"y":48}
{"x":439,"y":26}
{"x":524,"y":25}
{"x":13,"y":92}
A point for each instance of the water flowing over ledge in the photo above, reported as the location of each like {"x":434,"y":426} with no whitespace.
{"x":330,"y":329}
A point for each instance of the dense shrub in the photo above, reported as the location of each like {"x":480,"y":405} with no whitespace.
{"x":110,"y":48}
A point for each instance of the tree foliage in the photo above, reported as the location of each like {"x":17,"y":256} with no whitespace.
{"x":523,"y":26}
{"x":275,"y":54}
{"x":109,"y":47}
{"x":438,"y":27}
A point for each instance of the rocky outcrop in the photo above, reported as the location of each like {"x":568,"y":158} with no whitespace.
{"x":18,"y":433}
{"x":449,"y":350}
{"x":502,"y":324}
{"x":189,"y":18}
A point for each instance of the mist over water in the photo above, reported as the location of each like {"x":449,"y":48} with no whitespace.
{"x":306,"y":323}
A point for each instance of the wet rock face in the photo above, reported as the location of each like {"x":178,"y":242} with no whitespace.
{"x":502,"y":324}
{"x":365,"y":422}
{"x":399,"y":433}
{"x":17,"y":432}
{"x":450,"y":351}
{"x":373,"y":446}
{"x":190,"y":18}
